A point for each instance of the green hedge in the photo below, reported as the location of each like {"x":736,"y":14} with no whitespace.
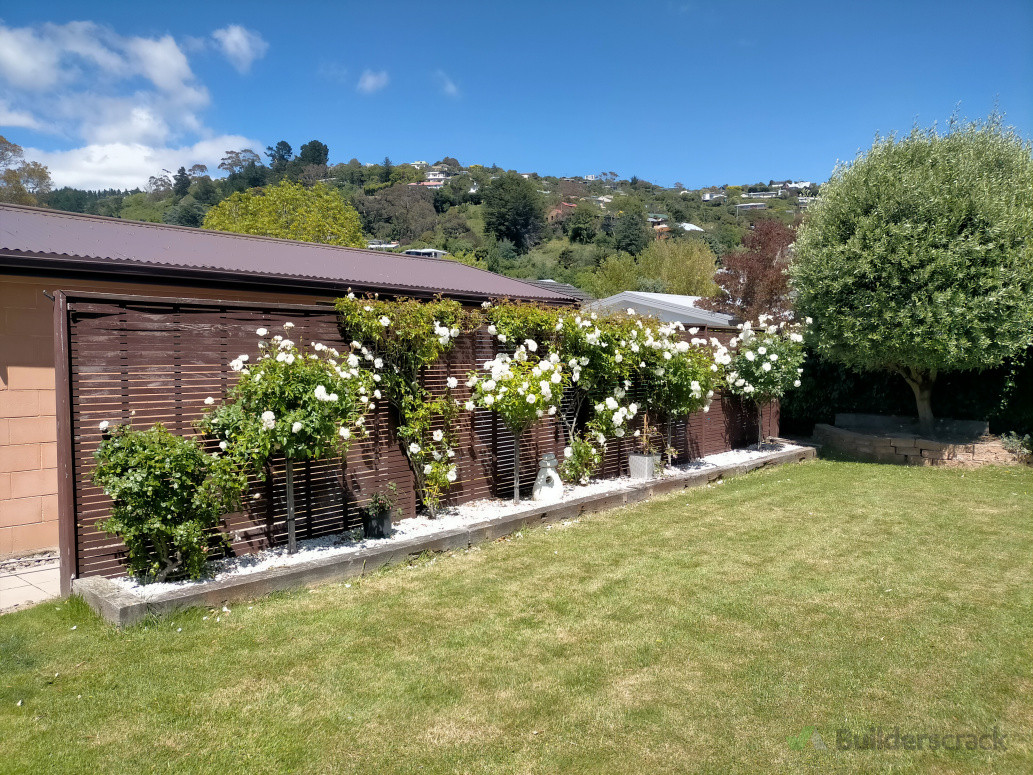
{"x":1004,"y":396}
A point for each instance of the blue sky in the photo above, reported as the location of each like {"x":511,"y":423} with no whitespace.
{"x":697,"y":92}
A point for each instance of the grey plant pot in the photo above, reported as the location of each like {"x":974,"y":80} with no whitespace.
{"x":376,"y":526}
{"x":642,"y":466}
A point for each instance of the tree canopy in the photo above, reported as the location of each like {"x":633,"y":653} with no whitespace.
{"x":513,"y":210}
{"x":754,"y":279}
{"x":918,"y":258}
{"x":290,"y":211}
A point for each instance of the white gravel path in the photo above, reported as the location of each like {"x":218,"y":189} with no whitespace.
{"x":449,"y":518}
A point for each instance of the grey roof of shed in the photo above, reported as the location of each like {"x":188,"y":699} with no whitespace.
{"x":564,"y":288}
{"x":32,"y":237}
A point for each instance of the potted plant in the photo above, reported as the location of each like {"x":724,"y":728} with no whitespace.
{"x":645,"y":463}
{"x":376,"y":517}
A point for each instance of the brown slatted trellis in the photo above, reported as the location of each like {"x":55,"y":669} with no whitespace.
{"x":145,"y":360}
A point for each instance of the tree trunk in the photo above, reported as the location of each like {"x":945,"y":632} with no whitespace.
{"x":292,"y":541}
{"x":922,"y":386}
{"x":516,"y":468}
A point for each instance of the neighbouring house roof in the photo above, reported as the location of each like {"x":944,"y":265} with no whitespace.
{"x":564,"y":288}
{"x":669,"y":307}
{"x":37,"y":239}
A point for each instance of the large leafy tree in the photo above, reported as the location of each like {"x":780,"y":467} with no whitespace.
{"x":21,"y":182}
{"x":683,"y":266}
{"x":918,"y":258}
{"x":514,"y":210}
{"x":754,"y":280}
{"x":314,"y":153}
{"x":290,"y":211}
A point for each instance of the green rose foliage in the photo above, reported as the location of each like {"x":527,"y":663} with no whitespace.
{"x":605,"y":356}
{"x":168,"y":496}
{"x":581,"y":459}
{"x":767,"y":362}
{"x":408,"y":336}
{"x":521,"y":389}
{"x":301,"y":403}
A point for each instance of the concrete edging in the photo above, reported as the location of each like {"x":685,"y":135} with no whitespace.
{"x":121,"y":607}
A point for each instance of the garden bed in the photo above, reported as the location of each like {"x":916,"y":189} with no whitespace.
{"x":124,"y":601}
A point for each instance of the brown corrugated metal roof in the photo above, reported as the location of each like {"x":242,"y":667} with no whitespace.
{"x":35,"y":237}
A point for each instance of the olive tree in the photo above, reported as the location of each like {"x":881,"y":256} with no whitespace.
{"x":918,"y":256}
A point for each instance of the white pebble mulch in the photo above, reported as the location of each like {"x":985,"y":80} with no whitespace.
{"x":447,"y":519}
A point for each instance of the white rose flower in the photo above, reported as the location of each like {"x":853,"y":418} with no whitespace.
{"x":385,"y":321}
{"x":209,"y":401}
{"x":766,"y":366}
{"x":345,"y":433}
{"x":469,"y":406}
{"x":531,"y":345}
{"x":261,"y":332}
{"x":502,"y":338}
{"x":568,"y":452}
{"x":414,"y":448}
{"x":268,"y":420}
{"x":796,"y":383}
{"x":427,"y":469}
{"x":489,"y":400}
{"x":288,"y":325}
{"x":750,"y":355}
{"x":438,"y":435}
{"x":531,"y":398}
{"x":103,"y":425}
{"x":452,"y":383}
{"x":296,"y":427}
{"x":222,"y":445}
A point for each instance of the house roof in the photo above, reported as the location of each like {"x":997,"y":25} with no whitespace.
{"x":666,"y":306}
{"x":564,"y":288}
{"x":39,"y":239}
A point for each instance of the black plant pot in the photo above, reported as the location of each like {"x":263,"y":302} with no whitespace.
{"x":376,"y":525}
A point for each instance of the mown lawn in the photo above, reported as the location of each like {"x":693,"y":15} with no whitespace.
{"x":691,"y":634}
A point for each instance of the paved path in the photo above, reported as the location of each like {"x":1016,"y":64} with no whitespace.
{"x":24,"y":584}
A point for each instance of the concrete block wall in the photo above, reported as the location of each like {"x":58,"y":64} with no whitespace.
{"x":909,"y":449}
{"x":28,"y":428}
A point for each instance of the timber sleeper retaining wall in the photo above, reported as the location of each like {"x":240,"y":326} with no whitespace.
{"x":122,"y":607}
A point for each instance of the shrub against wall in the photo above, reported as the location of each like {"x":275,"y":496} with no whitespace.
{"x":167,"y":494}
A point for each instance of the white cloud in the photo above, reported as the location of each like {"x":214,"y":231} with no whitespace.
{"x":448,"y":86}
{"x":241,"y":46}
{"x":17,"y":118}
{"x":133,"y":104}
{"x":26,"y":62}
{"x":128,"y":165}
{"x":372,"y":81}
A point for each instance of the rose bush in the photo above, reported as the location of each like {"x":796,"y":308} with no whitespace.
{"x":301,"y":403}
{"x":766,"y":364}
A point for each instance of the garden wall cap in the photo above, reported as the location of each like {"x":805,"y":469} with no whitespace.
{"x":38,"y":238}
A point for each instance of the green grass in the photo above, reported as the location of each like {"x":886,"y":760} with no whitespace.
{"x":691,"y":634}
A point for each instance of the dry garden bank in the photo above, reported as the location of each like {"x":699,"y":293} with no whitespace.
{"x":350,"y":373}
